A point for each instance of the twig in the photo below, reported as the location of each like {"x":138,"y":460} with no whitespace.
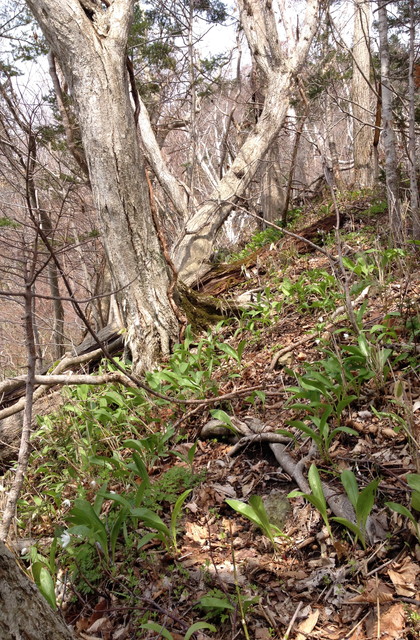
{"x":292,"y":621}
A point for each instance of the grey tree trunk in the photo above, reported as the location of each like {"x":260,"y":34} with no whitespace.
{"x":23,"y":611}
{"x":258,"y":19}
{"x":389,"y":141}
{"x":412,"y":160}
{"x":89,"y":40}
{"x":362,"y":97}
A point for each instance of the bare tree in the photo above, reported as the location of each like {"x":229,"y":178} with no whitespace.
{"x":89,"y":39}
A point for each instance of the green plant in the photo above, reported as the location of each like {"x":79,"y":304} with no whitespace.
{"x":314,"y":289}
{"x":413,"y":481}
{"x":362,"y":503}
{"x":256,"y":512}
{"x":216,"y":605}
{"x":44,"y":572}
{"x":191,"y":365}
{"x":326,"y":397}
{"x":316,"y":498}
{"x":197,"y":626}
{"x":263,"y":312}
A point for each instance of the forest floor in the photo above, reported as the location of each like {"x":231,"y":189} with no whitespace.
{"x":221,"y":569}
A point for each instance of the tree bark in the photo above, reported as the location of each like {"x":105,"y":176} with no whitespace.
{"x":412,"y":160}
{"x":362,"y":97}
{"x":23,"y":611}
{"x":89,"y":40}
{"x":193,"y":249}
{"x":388,"y":133}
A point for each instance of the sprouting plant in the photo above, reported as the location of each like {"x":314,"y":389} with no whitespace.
{"x":316,"y":498}
{"x":413,"y":481}
{"x":164,"y":633}
{"x":216,"y":605}
{"x":325,"y":398}
{"x":362,"y":503}
{"x":44,"y":572}
{"x":255,"y":511}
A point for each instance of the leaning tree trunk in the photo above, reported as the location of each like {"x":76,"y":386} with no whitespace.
{"x":23,"y":611}
{"x":192,"y":251}
{"x":89,"y":40}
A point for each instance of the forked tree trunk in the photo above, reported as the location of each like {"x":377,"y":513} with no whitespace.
{"x":90,"y":40}
{"x":23,"y":611}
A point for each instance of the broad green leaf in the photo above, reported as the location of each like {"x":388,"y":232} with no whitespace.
{"x":210,"y":602}
{"x":349,"y":483}
{"x":153,"y":626}
{"x":45,"y":583}
{"x":403,"y":511}
{"x":150,"y":519}
{"x":316,"y":486}
{"x":115,"y":531}
{"x":245,"y":510}
{"x":365,"y":347}
{"x":197,"y":626}
{"x":366,"y":501}
{"x":352,"y":527}
{"x":176,"y":512}
{"x":413,"y":481}
{"x":219,"y":414}
{"x":344,"y":403}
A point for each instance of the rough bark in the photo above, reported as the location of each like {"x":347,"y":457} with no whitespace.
{"x":193,"y":250}
{"x":362,"y":96}
{"x":90,"y":44}
{"x":388,"y":133}
{"x":412,"y":160}
{"x":23,"y":611}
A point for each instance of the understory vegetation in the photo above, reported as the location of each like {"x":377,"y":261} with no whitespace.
{"x":141,"y":523}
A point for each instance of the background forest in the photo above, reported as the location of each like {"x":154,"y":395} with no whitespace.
{"x":209,"y":325}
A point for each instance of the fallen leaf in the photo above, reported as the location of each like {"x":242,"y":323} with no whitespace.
{"x":307,"y":625}
{"x":374,"y":592}
{"x":404,"y":577}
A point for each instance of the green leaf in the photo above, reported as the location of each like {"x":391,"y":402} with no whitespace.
{"x":150,"y":519}
{"x":115,"y":531}
{"x":219,"y":414}
{"x":197,"y":626}
{"x":153,"y":626}
{"x":45,"y":583}
{"x":349,"y":482}
{"x":316,"y":486}
{"x":403,"y":511}
{"x":344,"y":403}
{"x":413,"y":481}
{"x":245,"y":510}
{"x":365,"y":347}
{"x":175,"y":514}
{"x":210,"y":602}
{"x":365,"y":502}
{"x":352,"y":527}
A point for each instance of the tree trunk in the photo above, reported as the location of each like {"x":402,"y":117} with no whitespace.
{"x":23,"y":611}
{"x":258,"y":19}
{"x":362,"y":97}
{"x":412,"y":160}
{"x":391,"y":163}
{"x":89,"y":40}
